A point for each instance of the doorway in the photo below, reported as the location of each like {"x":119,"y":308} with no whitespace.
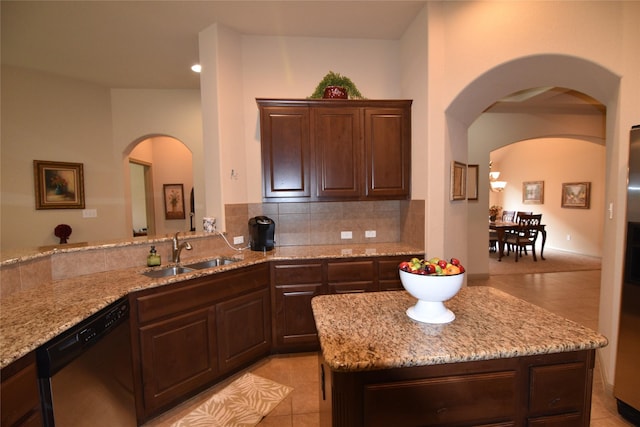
{"x":142,"y":209}
{"x":153,"y":162}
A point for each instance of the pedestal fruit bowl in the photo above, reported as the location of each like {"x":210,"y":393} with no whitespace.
{"x":432,"y":282}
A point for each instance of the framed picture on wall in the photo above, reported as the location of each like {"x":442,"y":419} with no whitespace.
{"x":58,"y":185}
{"x":458,"y":181}
{"x":472,"y":182}
{"x":533,"y":192}
{"x":173,"y":201}
{"x":576,"y":195}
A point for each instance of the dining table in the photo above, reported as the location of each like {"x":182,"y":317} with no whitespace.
{"x":503,"y":227}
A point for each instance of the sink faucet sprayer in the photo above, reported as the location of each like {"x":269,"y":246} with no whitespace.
{"x":177,"y":248}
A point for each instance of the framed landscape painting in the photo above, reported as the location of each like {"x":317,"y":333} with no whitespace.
{"x":58,"y":185}
{"x":576,"y":195}
{"x":533,"y":192}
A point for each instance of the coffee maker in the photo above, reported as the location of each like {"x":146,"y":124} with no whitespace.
{"x":261,"y":233}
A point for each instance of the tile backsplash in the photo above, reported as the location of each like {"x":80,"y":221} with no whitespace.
{"x":321,"y":223}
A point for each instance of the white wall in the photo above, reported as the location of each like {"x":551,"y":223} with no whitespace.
{"x":46,"y":117}
{"x":139,"y":114}
{"x":555,"y":161}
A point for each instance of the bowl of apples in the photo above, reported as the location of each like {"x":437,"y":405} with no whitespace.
{"x":432,"y":282}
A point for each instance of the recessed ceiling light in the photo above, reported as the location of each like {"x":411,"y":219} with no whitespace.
{"x":196,"y":68}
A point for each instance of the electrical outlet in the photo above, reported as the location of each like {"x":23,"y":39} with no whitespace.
{"x":238,"y":240}
{"x":370,"y":233}
{"x":568,"y":236}
{"x":346,"y":235}
{"x":89,"y":213}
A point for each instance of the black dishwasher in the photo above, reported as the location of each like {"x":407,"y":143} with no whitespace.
{"x":85,"y":372}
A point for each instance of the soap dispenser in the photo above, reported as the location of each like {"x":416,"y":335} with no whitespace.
{"x":153,"y":259}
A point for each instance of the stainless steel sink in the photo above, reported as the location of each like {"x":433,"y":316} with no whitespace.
{"x":167,"y":272}
{"x":215,"y":262}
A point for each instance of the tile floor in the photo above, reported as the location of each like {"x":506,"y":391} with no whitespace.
{"x":574,"y":295}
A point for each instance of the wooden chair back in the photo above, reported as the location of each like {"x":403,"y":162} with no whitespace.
{"x":525,"y":235}
{"x":508,"y":216}
{"x":520,"y":213}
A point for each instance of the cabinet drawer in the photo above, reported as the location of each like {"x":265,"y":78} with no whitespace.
{"x":452,"y":400}
{"x":564,"y":420}
{"x":292,"y":274}
{"x":350,"y":271}
{"x":557,"y":388}
{"x":200,"y":292}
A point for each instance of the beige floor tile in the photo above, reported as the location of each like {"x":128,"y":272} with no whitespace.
{"x":306,"y":420}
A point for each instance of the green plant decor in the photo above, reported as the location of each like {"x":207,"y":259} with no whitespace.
{"x":336,"y":79}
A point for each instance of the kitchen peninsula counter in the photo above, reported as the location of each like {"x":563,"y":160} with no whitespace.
{"x":31,"y":317}
{"x":502,"y":360}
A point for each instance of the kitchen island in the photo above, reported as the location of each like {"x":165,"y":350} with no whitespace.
{"x":501,"y":362}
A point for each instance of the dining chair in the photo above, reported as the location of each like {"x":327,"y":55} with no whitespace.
{"x":508,"y":216}
{"x":525,"y":236}
{"x":493,"y":241}
{"x":516,"y":218}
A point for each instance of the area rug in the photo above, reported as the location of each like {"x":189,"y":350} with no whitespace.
{"x":555,"y":261}
{"x":242,"y":403}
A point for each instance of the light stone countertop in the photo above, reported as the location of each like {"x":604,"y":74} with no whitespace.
{"x":372,"y":331}
{"x":32,"y":317}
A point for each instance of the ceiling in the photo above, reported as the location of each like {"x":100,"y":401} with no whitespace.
{"x":151,"y":44}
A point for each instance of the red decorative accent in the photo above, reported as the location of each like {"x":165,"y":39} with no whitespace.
{"x":335,"y":92}
{"x":63,"y":231}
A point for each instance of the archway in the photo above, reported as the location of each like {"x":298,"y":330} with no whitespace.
{"x":541,"y":71}
{"x":168,"y":162}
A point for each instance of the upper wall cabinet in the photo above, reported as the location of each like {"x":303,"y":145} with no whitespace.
{"x":323,"y":150}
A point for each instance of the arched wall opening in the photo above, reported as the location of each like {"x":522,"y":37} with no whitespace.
{"x":171,"y":163}
{"x":542,"y":71}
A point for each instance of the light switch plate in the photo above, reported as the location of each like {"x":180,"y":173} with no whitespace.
{"x":346,"y":235}
{"x":370,"y":233}
{"x":89,"y":213}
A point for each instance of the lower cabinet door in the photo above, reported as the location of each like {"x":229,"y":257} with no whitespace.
{"x":178,"y":355}
{"x":244,"y":329}
{"x":295,"y":327}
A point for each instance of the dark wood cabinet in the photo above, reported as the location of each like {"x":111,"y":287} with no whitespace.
{"x":188,"y":335}
{"x":550,"y":390}
{"x":339,"y":153}
{"x":244,"y":329}
{"x":323,"y":150}
{"x":177,"y":356}
{"x":286,"y":151}
{"x":295,"y":283}
{"x":348,"y":276}
{"x":19,"y":395}
{"x":387,"y":142}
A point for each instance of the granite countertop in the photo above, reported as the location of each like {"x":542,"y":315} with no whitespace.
{"x":32,"y":317}
{"x":371,"y":331}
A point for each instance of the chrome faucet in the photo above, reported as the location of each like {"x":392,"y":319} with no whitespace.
{"x":177,"y":248}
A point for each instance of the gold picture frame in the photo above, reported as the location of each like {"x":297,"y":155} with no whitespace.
{"x":173,"y":201}
{"x":458,"y":181}
{"x":58,"y":185}
{"x":576,"y":195}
